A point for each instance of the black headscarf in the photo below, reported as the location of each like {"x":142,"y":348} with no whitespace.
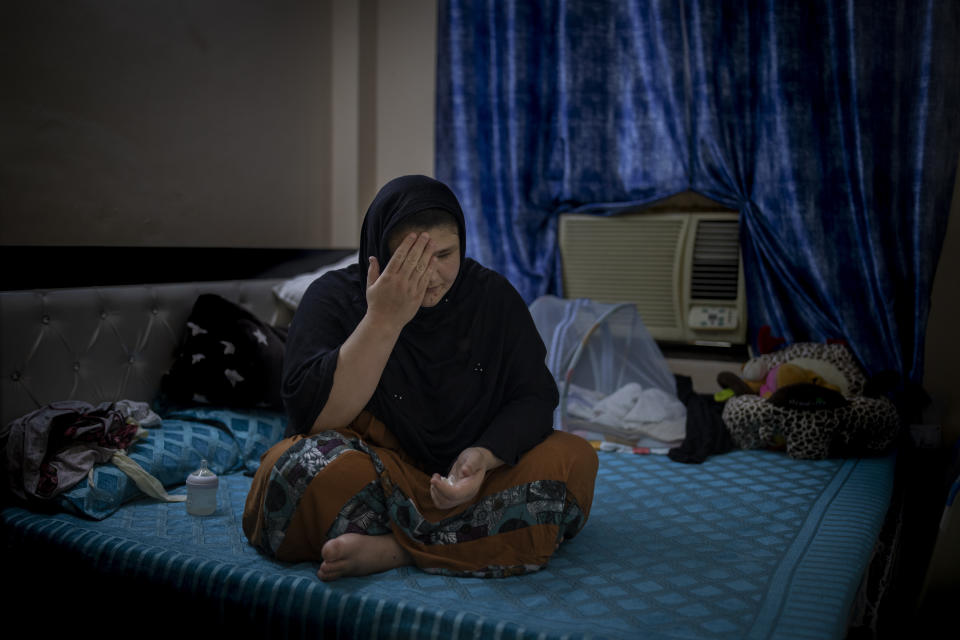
{"x":469,"y":371}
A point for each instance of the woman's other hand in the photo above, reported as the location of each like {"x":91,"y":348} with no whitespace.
{"x":465,"y":478}
{"x":395,"y":295}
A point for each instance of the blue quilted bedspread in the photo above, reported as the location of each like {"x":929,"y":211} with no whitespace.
{"x":749,"y":544}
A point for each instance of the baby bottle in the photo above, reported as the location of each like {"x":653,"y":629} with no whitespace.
{"x":202,"y":491}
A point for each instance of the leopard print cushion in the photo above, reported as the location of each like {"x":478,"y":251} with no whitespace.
{"x":863,"y":426}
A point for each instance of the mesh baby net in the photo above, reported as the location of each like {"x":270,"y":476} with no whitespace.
{"x":614,"y":382}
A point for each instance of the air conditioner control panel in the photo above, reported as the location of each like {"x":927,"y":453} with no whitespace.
{"x":705,"y":318}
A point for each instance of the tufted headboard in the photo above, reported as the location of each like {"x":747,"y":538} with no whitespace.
{"x":102,"y":344}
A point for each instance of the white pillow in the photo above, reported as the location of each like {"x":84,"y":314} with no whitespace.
{"x":291,"y":291}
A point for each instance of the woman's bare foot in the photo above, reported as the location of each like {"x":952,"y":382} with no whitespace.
{"x":355,"y":554}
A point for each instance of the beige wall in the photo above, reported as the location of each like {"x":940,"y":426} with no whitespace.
{"x":384,"y":62}
{"x":943,"y":340}
{"x":158,"y":123}
{"x":209,"y":123}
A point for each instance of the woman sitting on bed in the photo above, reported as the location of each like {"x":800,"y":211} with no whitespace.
{"x":422,"y":409}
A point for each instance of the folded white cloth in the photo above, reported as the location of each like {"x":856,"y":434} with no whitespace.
{"x":615,"y":407}
{"x":649,"y":412}
{"x":655,"y":405}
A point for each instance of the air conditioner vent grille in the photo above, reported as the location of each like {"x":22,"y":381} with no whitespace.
{"x":681,"y":269}
{"x":716,"y":261}
{"x":616,"y":260}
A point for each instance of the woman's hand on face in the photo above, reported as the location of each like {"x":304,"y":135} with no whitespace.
{"x":395,"y":295}
{"x":465,"y":478}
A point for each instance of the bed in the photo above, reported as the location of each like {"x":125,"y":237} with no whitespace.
{"x":747,"y":544}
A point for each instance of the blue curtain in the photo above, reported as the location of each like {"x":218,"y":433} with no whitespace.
{"x":833,"y":128}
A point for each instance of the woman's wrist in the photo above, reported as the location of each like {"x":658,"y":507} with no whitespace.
{"x":490,"y":460}
{"x":383,"y":325}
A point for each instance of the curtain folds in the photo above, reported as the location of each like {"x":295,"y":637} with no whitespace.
{"x":831,"y":126}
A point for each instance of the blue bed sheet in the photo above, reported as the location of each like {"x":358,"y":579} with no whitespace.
{"x":749,"y":544}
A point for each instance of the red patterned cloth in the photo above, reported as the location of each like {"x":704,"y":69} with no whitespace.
{"x":49,"y":450}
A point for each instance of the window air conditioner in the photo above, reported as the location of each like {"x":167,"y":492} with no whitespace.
{"x":682,"y":270}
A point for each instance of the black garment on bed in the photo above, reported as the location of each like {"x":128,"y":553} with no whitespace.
{"x":707,"y":434}
{"x":469,"y":371}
